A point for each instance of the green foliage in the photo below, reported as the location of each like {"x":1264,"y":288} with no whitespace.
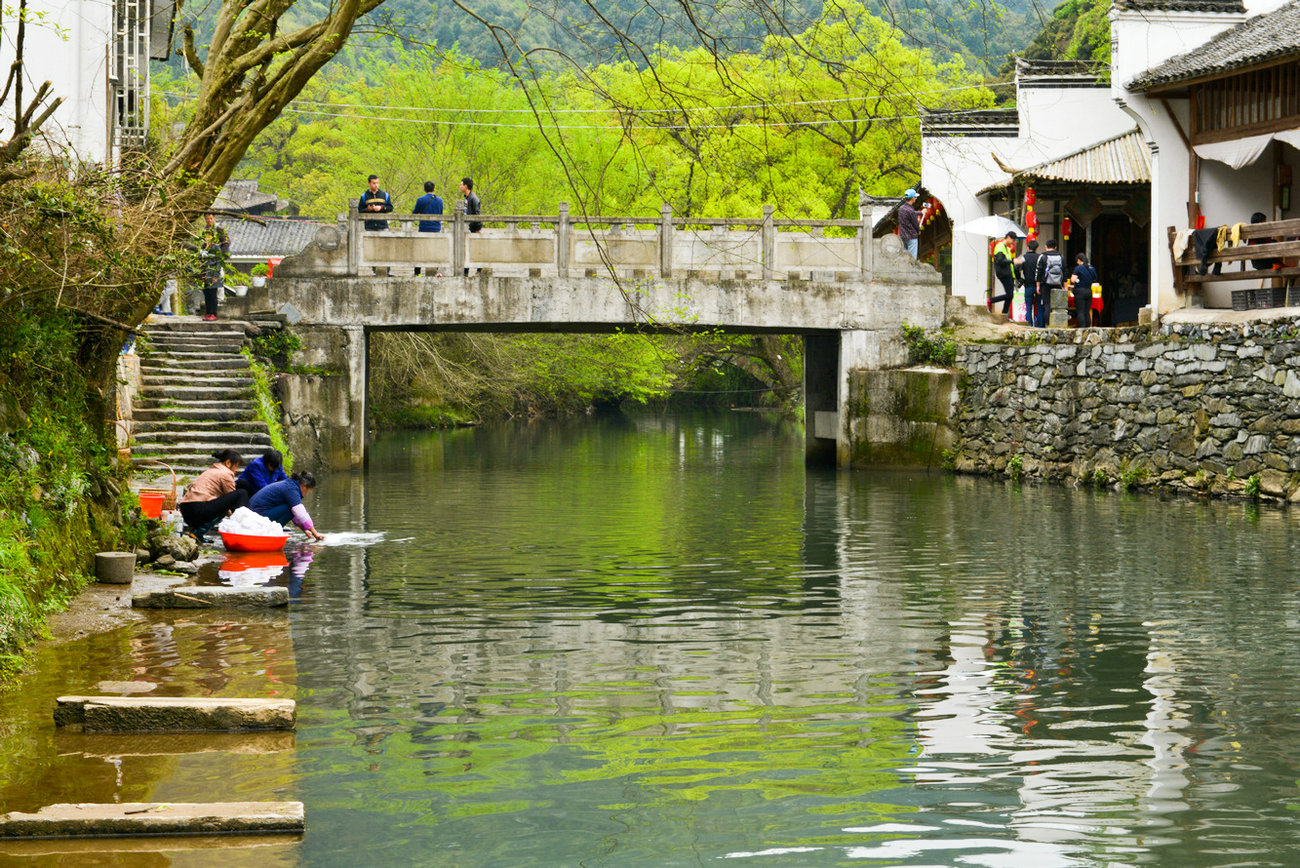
{"x":1100,"y":477}
{"x":924,"y":348}
{"x":259,"y":270}
{"x":1016,"y":467}
{"x":266,"y":406}
{"x":949,"y":459}
{"x":1131,"y":476}
{"x":1252,"y":487}
{"x":277,"y":347}
{"x":1077,"y":30}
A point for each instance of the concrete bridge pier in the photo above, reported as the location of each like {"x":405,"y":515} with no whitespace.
{"x":830,"y":359}
{"x":325,"y":406}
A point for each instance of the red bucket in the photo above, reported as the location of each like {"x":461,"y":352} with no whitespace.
{"x":151,"y":503}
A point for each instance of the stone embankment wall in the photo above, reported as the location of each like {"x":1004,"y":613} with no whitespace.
{"x":1211,"y":408}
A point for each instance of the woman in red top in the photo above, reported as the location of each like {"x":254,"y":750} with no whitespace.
{"x":213,"y":496}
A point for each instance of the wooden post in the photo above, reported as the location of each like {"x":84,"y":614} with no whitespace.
{"x":353,"y":240}
{"x":1178,"y":268}
{"x":458,"y":231}
{"x":866,"y":256}
{"x":769,"y":243}
{"x":666,"y":241}
{"x":562,"y":241}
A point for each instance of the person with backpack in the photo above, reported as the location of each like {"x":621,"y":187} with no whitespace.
{"x":1027,"y":268}
{"x":1004,"y":270}
{"x":1051,"y":276}
{"x":1083,"y":278}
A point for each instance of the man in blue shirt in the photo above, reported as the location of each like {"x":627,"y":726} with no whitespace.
{"x":428,"y":204}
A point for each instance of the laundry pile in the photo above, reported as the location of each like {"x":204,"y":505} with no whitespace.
{"x":248,"y":523}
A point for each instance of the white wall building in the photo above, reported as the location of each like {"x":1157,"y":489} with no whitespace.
{"x":1060,"y":109}
{"x":1233,"y":159}
{"x":95,"y":54}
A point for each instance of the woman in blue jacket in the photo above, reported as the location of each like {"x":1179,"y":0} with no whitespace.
{"x":282,"y":502}
{"x":261,"y":472}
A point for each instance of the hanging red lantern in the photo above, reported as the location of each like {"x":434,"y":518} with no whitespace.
{"x":1066,"y":225}
{"x":1031,"y":219}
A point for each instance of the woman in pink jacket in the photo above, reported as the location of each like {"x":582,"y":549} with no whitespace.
{"x":213,"y":496}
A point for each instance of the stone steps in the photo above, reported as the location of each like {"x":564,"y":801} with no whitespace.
{"x":196,"y":397}
{"x":215,"y":381}
{"x":194,"y":366}
{"x":252,"y":426}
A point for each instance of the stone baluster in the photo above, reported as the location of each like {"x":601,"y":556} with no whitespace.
{"x":666,"y":241}
{"x":459,"y":229}
{"x":562,"y":241}
{"x":769,"y":242}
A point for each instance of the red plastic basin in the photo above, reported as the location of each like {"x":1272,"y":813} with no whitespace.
{"x":239,"y":542}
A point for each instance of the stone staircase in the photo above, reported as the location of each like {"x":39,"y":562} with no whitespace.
{"x":196,"y":396}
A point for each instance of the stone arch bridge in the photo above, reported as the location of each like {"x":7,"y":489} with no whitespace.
{"x":827,"y":280}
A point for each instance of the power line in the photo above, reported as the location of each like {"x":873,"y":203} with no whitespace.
{"x":499,"y":111}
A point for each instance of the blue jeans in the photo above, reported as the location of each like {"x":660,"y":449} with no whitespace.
{"x":912,"y":246}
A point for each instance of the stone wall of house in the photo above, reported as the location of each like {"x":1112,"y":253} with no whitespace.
{"x":1212,"y":408}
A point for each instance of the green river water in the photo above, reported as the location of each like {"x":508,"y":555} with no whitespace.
{"x":662,"y":641}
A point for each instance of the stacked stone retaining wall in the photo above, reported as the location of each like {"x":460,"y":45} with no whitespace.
{"x":1207,"y":408}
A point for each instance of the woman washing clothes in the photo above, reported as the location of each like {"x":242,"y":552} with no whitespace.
{"x":213,"y":496}
{"x":282,"y":502}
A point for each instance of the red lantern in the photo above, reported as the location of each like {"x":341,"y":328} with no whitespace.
{"x":1066,"y":225}
{"x":1031,"y":219}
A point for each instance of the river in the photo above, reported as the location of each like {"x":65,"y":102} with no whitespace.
{"x":661,"y":641}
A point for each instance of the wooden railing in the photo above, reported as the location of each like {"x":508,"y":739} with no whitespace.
{"x":1280,"y":242}
{"x":567,"y":245}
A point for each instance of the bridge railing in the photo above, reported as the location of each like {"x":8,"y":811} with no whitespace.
{"x":565,"y":245}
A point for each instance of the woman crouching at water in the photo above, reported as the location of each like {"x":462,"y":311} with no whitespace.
{"x":282,"y":502}
{"x":213,"y":496}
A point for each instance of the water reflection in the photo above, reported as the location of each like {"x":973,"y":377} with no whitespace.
{"x":666,"y":643}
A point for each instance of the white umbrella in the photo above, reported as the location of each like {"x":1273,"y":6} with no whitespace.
{"x":993,"y":226}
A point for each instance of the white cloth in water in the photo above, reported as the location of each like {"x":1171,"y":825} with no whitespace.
{"x":245,"y":521}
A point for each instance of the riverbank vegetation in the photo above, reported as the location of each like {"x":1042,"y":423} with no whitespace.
{"x":75,"y":277}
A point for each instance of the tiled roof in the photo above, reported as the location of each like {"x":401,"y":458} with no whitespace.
{"x":1224,"y":6}
{"x":1270,"y":36}
{"x":996,"y":123}
{"x":1122,"y":159}
{"x":1060,"y":73}
{"x":278,"y":237}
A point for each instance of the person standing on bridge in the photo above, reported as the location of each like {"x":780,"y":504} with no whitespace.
{"x":375,"y":201}
{"x":472,"y":204}
{"x":428,"y":204}
{"x":909,"y":223}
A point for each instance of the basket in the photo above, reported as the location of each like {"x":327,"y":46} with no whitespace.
{"x":1242,"y":298}
{"x":168,"y":497}
{"x":124,"y":450}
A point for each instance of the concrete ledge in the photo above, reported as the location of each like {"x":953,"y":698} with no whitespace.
{"x":173,"y":713}
{"x":154,"y":818}
{"x":69,"y":742}
{"x":212,"y":597}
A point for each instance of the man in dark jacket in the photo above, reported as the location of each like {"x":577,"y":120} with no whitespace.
{"x":1050,"y":273}
{"x":375,"y":201}
{"x":472,"y":205}
{"x":1004,"y":269}
{"x":1027,"y":266}
{"x":429,"y":203}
